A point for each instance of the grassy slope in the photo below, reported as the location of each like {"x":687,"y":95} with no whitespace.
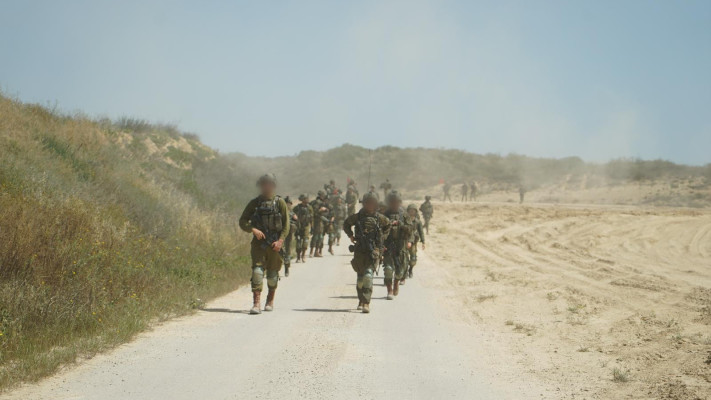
{"x":103,"y":229}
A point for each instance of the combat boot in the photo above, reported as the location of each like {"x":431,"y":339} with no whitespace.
{"x":318,"y":252}
{"x":390,"y":291}
{"x":286,"y":270}
{"x":366,"y":308}
{"x":402,"y":281}
{"x":330,"y":249}
{"x":256,"y":307}
{"x":270,"y":300}
{"x":338,"y":242}
{"x":360,"y":306}
{"x":396,"y":288}
{"x":311,"y":252}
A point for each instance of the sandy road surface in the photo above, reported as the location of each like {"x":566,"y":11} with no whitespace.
{"x":315,"y":345}
{"x":577,"y":292}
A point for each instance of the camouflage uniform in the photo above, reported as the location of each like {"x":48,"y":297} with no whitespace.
{"x":395,"y":260}
{"x":319,"y":224}
{"x":286,"y":248}
{"x":370,"y":230}
{"x":338,"y":212}
{"x":351,"y":199}
{"x":446,"y":188}
{"x":427,"y":211}
{"x":270,"y":216}
{"x":418,"y":237}
{"x":302,"y":230}
{"x":465,"y":190}
{"x":473,"y":188}
{"x":387,"y":187}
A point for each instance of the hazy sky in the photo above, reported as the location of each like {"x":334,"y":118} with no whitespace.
{"x":597,"y":79}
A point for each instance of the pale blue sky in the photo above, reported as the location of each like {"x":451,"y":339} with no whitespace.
{"x":597,"y":79}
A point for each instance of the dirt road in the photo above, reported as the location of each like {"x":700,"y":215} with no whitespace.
{"x":314,"y":345}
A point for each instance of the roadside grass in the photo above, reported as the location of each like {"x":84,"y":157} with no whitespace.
{"x":98,"y":241}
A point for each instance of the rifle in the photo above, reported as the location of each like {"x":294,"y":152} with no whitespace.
{"x":269,"y":237}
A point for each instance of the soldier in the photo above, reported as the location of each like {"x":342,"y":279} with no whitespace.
{"x":397,"y":244}
{"x":419,"y":236}
{"x":473,"y":189}
{"x":521,"y":193}
{"x":372,"y":190}
{"x":427,"y":211}
{"x":387,"y":187}
{"x":447,"y":186}
{"x":338,"y":214}
{"x":319,"y":224}
{"x":294,"y":225}
{"x":465,"y":190}
{"x":305,"y":215}
{"x":351,"y":198}
{"x":267,"y":218}
{"x":371,"y":228}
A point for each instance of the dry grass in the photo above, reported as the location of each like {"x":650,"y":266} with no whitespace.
{"x":98,"y":238}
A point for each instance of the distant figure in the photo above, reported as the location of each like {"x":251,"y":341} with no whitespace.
{"x":521,"y":194}
{"x":386,"y":186}
{"x":351,"y":198}
{"x":375,"y":192}
{"x":465,"y":190}
{"x":473,"y":189}
{"x":427,"y":211}
{"x":446,"y":188}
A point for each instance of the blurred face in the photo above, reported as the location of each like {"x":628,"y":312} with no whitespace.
{"x":412,"y":213}
{"x":370,"y":206}
{"x":393,"y":204}
{"x":305,"y":201}
{"x":267,"y":188}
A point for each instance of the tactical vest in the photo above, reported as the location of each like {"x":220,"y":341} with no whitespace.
{"x":396,"y":231}
{"x":267,"y":216}
{"x":367,"y":234}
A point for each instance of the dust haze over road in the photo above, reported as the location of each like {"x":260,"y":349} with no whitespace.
{"x":314,"y":345}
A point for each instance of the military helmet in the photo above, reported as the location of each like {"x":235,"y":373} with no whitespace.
{"x":332,"y":182}
{"x":321,"y":193}
{"x":287,"y":199}
{"x":303,"y":196}
{"x":411,"y":207}
{"x":369,"y":196}
{"x":267,"y":178}
{"x":394,"y":195}
{"x":428,"y":197}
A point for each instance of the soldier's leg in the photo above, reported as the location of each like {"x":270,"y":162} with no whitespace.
{"x":412,"y":259}
{"x":273,"y":262}
{"x":339,"y":229}
{"x":286,"y":254}
{"x":388,"y":272}
{"x":331,"y":241}
{"x":257,"y":281}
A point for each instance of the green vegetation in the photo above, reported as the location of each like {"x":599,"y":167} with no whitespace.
{"x":103,"y":230}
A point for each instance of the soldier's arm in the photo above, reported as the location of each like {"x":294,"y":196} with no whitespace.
{"x":245,"y":220}
{"x":285,"y":220}
{"x":348,"y":225}
{"x":421,"y":232}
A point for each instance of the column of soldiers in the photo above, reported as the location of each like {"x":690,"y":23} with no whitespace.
{"x":381,"y":233}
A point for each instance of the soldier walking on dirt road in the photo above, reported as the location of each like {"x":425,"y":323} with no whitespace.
{"x":266,"y":217}
{"x":371,"y":228}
